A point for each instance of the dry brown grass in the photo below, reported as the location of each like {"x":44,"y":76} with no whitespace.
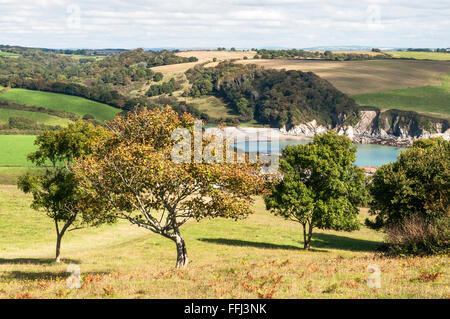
{"x":413,"y":229}
{"x":202,"y":56}
{"x":371,"y":53}
{"x":208,"y":55}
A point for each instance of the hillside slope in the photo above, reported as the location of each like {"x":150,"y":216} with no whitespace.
{"x":259,"y":257}
{"x":273,"y":97}
{"x":432,"y":100}
{"x":61,"y":102}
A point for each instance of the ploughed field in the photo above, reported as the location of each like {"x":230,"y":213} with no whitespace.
{"x":357,"y":77}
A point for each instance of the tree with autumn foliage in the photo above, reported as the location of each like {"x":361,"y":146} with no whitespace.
{"x":134,"y":171}
{"x":56,"y":190}
{"x":319,"y":185}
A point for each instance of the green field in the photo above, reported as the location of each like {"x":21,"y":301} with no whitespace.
{"x":420,"y":55}
{"x":211,"y":105}
{"x":9,"y":175}
{"x":8,"y":54}
{"x":79,"y":56}
{"x":432,"y":100}
{"x":61,"y":102}
{"x":39,"y":117}
{"x":260,"y":257}
{"x":15,"y":148}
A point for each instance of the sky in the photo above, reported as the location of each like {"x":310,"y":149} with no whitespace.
{"x":225,"y":23}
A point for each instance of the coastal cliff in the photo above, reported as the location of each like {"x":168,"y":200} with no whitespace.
{"x":391,"y":127}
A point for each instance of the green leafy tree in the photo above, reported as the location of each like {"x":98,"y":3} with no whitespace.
{"x":133,"y":170}
{"x":319,"y":187}
{"x":243,"y":108}
{"x":158,"y":76}
{"x":56,"y":190}
{"x":417,"y":184}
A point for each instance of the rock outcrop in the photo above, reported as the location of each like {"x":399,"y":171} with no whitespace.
{"x":308,"y":129}
{"x":391,"y":127}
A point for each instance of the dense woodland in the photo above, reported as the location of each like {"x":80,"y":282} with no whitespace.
{"x":273,"y":97}
{"x":106,"y":80}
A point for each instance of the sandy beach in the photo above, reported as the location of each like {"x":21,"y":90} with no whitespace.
{"x":254,"y":133}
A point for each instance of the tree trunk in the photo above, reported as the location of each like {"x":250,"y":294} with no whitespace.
{"x":308,"y":240}
{"x":304,"y":236}
{"x":182,"y":257}
{"x":58,"y":248}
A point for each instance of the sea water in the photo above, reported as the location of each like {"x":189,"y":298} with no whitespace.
{"x":366,"y":155}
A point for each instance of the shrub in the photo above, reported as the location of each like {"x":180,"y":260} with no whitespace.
{"x":158,"y":77}
{"x":415,"y":236}
{"x":88,"y":117}
{"x":19,"y":123}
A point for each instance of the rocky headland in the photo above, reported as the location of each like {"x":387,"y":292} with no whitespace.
{"x":392,"y":127}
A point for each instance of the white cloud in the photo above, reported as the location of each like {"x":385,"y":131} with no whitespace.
{"x":212,"y":23}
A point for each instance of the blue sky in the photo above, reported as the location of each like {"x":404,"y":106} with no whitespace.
{"x":243,"y":24}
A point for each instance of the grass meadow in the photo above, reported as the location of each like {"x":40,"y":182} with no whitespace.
{"x":440,"y":56}
{"x":15,"y":148}
{"x":9,"y":174}
{"x":8,"y":54}
{"x":39,"y":117}
{"x":432,"y":100}
{"x":259,"y":257}
{"x":61,"y":102}
{"x":212,"y":106}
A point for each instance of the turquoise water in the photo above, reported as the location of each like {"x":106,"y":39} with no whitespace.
{"x":367,"y":154}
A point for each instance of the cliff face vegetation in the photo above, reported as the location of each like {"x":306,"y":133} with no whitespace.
{"x":398,"y":123}
{"x":275,"y":97}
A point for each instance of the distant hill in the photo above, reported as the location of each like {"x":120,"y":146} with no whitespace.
{"x":340,"y":48}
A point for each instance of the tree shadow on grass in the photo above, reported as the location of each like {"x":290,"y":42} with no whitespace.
{"x":35,"y":261}
{"x":319,"y":242}
{"x":241,"y":243}
{"x":329,"y":241}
